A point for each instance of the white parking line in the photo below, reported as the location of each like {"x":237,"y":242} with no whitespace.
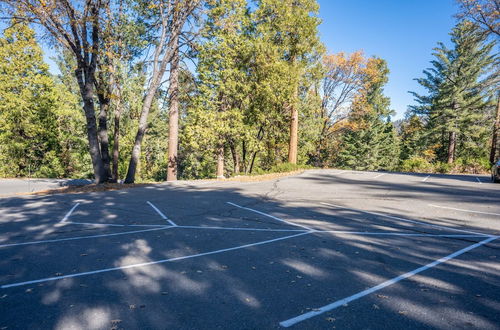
{"x":55,"y":278}
{"x":82,"y":237}
{"x":338,"y":303}
{"x":335,"y":232}
{"x":378,"y":176}
{"x":268,"y":215}
{"x":425,"y":179}
{"x":242,"y":228}
{"x":463,"y":210}
{"x":109,"y":224}
{"x":405,"y":220}
{"x":69,"y":213}
{"x":396,"y":234}
{"x":161,"y":214}
{"x":94,"y":224}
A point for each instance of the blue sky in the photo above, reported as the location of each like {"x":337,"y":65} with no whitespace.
{"x":403,"y":32}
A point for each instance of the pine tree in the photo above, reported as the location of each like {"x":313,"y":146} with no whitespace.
{"x":217,"y":117}
{"x":291,"y":28}
{"x":29,"y":100}
{"x":371,"y":142}
{"x":412,"y":137}
{"x":458,"y":93}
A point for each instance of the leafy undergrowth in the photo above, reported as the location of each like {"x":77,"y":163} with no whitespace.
{"x":460,"y":166}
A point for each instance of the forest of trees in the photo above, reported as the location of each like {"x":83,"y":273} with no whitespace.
{"x":167,"y":89}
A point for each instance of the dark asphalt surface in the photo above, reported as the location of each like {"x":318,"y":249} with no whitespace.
{"x":134,"y":271}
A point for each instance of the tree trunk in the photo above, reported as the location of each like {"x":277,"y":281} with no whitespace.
{"x":103,"y":135}
{"x":141,"y":131}
{"x":244,"y":155}
{"x":452,"y":142}
{"x":116,"y":141}
{"x":236,"y":158}
{"x":294,"y":121}
{"x":495,"y":140}
{"x":162,"y":56}
{"x":252,"y":162}
{"x":87,"y":93}
{"x":294,"y":130}
{"x":260,"y":136}
{"x":220,"y":163}
{"x":173,"y":116}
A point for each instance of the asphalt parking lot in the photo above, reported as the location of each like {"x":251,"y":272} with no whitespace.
{"x":320,"y":250}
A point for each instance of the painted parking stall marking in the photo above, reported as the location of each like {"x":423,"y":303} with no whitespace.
{"x":161,"y":214}
{"x":66,"y":217}
{"x":332,"y":306}
{"x":105,"y":270}
{"x":269,"y":216}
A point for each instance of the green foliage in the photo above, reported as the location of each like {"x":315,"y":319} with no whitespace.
{"x":416,"y":164}
{"x":37,"y":119}
{"x":288,"y":167}
{"x":462,"y":165}
{"x":255,"y":63}
{"x":460,"y":87}
{"x":371,"y":142}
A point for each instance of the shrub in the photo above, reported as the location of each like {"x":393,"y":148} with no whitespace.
{"x":442,"y":167}
{"x":416,"y":164}
{"x":473,"y":165}
{"x":288,"y":167}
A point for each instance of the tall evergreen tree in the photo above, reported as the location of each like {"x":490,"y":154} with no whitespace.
{"x":31,"y":105}
{"x":371,"y":141}
{"x":291,"y":27}
{"x":412,"y":137}
{"x":458,"y":88}
{"x":223,"y":89}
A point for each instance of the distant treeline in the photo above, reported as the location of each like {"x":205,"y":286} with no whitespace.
{"x":167,"y":89}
